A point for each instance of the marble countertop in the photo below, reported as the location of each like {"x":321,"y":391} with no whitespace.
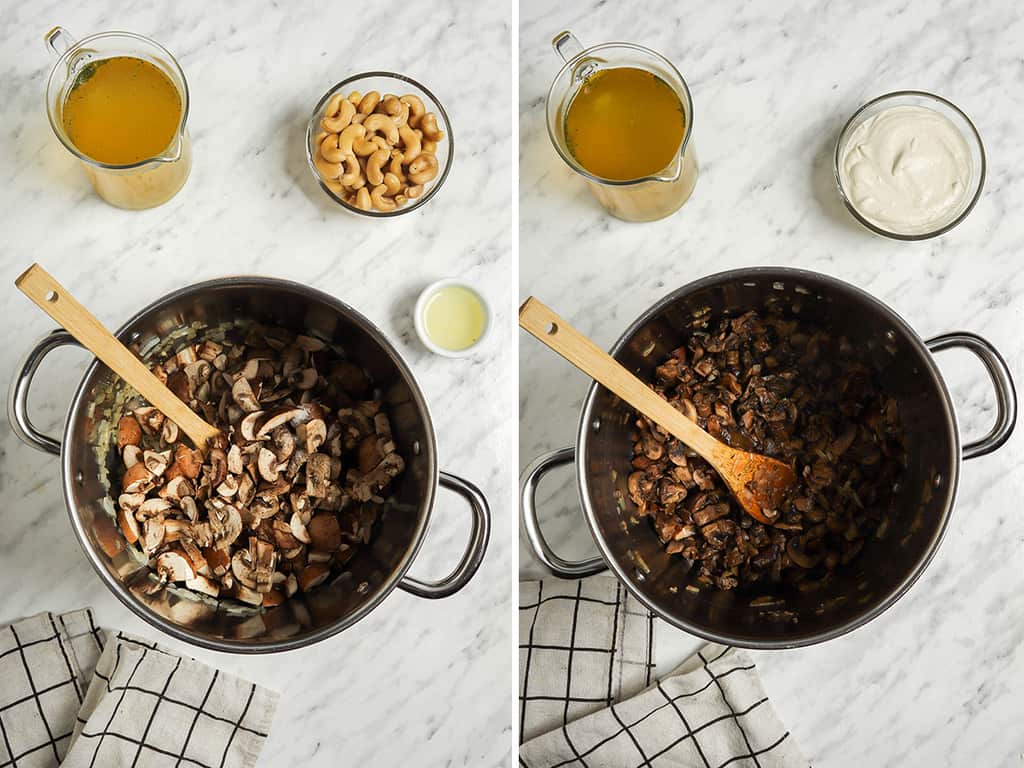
{"x":415,"y":676}
{"x":935,"y":680}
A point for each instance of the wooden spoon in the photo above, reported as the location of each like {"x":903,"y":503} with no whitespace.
{"x":54,"y":300}
{"x":758,"y":482}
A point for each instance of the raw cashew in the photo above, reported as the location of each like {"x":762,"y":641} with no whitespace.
{"x":369,"y":102}
{"x":365,"y":146}
{"x":352,"y":171}
{"x":380,"y":202}
{"x":355,"y":97}
{"x":416,"y":108}
{"x":363,"y":199}
{"x":329,"y":149}
{"x":359,"y":117}
{"x":423,"y":168}
{"x":414,"y":191}
{"x":402,"y":118}
{"x":390,"y":105}
{"x":383,"y":125}
{"x":393,"y":183}
{"x":348,"y":136}
{"x":429,"y":146}
{"x":396,"y":165}
{"x":333,"y":105}
{"x":341,"y":120}
{"x":335,"y":187}
{"x":374,"y":175}
{"x":328,"y":171}
{"x":319,"y":137}
{"x":401,"y":199}
{"x":410,"y":142}
{"x":428,"y":124}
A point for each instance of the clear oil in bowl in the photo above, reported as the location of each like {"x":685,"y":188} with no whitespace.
{"x":454,"y":318}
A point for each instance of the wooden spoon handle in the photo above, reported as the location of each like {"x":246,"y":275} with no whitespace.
{"x":54,"y":300}
{"x":553,"y":331}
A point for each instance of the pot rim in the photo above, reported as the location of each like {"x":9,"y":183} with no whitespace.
{"x":780,"y":274}
{"x":143,"y":611}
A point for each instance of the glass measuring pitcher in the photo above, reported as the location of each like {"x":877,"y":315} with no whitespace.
{"x":148,"y":182}
{"x":641,"y":199}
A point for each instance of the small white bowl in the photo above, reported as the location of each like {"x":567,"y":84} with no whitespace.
{"x":421,"y":305}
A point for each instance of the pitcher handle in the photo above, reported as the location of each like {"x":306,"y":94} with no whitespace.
{"x":559,"y":566}
{"x":566,"y":45}
{"x":58,"y":41}
{"x":1002,"y":382}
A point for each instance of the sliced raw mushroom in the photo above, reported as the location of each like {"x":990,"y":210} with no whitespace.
{"x":153,"y":534}
{"x":203,"y":584}
{"x":128,"y":432}
{"x":324,"y":532}
{"x":226,"y":525}
{"x":250,"y":424}
{"x":267,"y":463}
{"x":174,"y":566}
{"x":298,"y":529}
{"x":190,"y":461}
{"x":129,"y":526}
{"x":235,"y":464}
{"x":277,"y":418}
{"x":316,"y":433}
{"x":137,"y":479}
{"x":313,"y":575}
{"x":244,"y":568}
{"x":243,"y":395}
{"x":131,"y":455}
{"x":318,"y":472}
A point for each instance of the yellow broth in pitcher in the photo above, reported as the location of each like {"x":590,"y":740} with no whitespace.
{"x":121,"y":111}
{"x":624,"y":123}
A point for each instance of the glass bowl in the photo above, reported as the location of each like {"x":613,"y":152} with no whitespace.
{"x":948,"y":110}
{"x":386,"y":82}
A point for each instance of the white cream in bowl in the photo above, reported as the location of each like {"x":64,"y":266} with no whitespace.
{"x":907,"y":170}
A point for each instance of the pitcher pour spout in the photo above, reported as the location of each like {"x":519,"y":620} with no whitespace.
{"x":671,"y":172}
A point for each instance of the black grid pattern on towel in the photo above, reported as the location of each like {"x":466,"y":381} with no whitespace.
{"x":42,"y":661}
{"x":643,"y":729}
{"x":198,"y":723}
{"x":594,"y":662}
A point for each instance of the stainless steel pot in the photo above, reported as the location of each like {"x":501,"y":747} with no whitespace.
{"x":887,"y":567}
{"x":87,"y":468}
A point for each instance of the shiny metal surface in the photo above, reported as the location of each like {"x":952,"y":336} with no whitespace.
{"x":923,"y":500}
{"x":372,"y":574}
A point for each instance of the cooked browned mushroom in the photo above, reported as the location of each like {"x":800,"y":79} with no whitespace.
{"x":782,"y":387}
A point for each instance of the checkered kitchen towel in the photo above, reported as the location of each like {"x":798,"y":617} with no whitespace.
{"x":145,"y":706}
{"x":711,"y":712}
{"x":582,"y":645}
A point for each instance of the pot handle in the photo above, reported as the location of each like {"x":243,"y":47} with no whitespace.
{"x":17,"y":401}
{"x":1002,"y":382}
{"x":559,"y":566}
{"x":474,"y":554}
